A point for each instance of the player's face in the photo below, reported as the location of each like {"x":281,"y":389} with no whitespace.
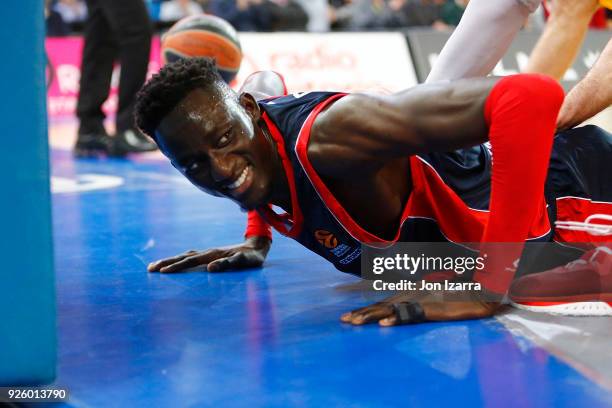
{"x":215,"y":142}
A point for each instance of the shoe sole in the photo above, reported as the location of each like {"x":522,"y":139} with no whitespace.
{"x":591,"y":308}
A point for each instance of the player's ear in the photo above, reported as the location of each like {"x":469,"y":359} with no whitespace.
{"x":248,"y":102}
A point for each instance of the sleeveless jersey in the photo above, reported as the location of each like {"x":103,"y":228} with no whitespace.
{"x":448,"y":201}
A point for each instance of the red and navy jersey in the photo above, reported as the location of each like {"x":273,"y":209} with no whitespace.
{"x":448,"y":203}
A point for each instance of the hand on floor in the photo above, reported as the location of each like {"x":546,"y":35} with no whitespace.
{"x":416,"y":307}
{"x":249,"y":254}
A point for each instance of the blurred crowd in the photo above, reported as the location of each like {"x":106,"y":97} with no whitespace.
{"x":65,"y":17}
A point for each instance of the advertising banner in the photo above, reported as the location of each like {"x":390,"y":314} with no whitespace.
{"x":64,"y":72}
{"x":338,"y":61}
{"x":335,"y":61}
{"x":426,"y":45}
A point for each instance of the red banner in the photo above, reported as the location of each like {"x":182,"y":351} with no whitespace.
{"x":64,"y":73}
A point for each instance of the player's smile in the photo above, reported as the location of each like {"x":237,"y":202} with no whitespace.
{"x":237,"y":186}
{"x":241,"y":183}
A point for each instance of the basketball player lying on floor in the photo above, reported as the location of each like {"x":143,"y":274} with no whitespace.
{"x":472,"y":50}
{"x":372,"y":169}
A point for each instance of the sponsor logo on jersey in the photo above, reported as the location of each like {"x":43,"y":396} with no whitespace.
{"x":351,"y":257}
{"x":326,"y":238}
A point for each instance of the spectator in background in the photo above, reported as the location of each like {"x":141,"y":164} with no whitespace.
{"x":360,"y":15}
{"x":261,"y":15}
{"x":72,"y":11}
{"x":55,"y":25}
{"x":424,"y":13}
{"x":452,"y":11}
{"x":154,"y":7}
{"x":318,"y":15}
{"x":174,"y":10}
{"x":286,"y":15}
{"x":244,"y":15}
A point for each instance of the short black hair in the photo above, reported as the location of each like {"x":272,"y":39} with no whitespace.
{"x":169,"y":86}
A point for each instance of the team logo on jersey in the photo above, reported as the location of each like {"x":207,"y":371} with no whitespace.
{"x":326,"y":238}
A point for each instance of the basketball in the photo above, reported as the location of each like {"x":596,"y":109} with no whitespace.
{"x":204,"y":36}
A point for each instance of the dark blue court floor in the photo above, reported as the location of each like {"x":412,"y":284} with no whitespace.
{"x":268,"y":337}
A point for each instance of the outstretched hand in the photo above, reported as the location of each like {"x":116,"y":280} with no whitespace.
{"x":249,"y":254}
{"x":415,"y":307}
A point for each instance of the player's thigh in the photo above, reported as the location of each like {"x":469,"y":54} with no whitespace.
{"x":581,"y":164}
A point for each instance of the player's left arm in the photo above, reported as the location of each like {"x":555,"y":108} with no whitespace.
{"x":416,"y":307}
{"x":376,"y":128}
{"x":517,"y":115}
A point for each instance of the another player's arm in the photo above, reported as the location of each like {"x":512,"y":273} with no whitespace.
{"x":565,"y":30}
{"x":591,"y":95}
{"x":517,"y":115}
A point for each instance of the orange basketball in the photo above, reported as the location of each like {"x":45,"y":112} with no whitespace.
{"x":326,"y":238}
{"x":204,"y":36}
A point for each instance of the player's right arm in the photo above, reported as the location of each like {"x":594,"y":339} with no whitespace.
{"x":249,"y":254}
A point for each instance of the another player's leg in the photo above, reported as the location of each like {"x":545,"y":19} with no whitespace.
{"x":483,"y":36}
{"x":264,"y":84}
{"x":131,"y":26}
{"x":99,"y":52}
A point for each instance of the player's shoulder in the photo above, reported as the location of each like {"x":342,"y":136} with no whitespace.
{"x":292,"y":113}
{"x":297,"y":99}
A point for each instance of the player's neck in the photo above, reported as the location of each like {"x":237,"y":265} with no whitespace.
{"x":280,"y":194}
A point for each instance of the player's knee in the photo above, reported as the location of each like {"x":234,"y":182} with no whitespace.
{"x":543,"y":95}
{"x":269,"y":83}
{"x":550,"y":95}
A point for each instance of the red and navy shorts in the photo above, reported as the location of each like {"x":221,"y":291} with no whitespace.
{"x":579,"y":182}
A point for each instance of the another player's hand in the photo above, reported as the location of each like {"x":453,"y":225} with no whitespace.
{"x":416,"y":307}
{"x":569,"y":116}
{"x":249,"y":254}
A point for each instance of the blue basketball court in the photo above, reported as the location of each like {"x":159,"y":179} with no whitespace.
{"x":79,"y":311}
{"x":269,"y":337}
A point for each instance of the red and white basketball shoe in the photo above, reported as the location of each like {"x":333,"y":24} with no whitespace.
{"x":580,"y":288}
